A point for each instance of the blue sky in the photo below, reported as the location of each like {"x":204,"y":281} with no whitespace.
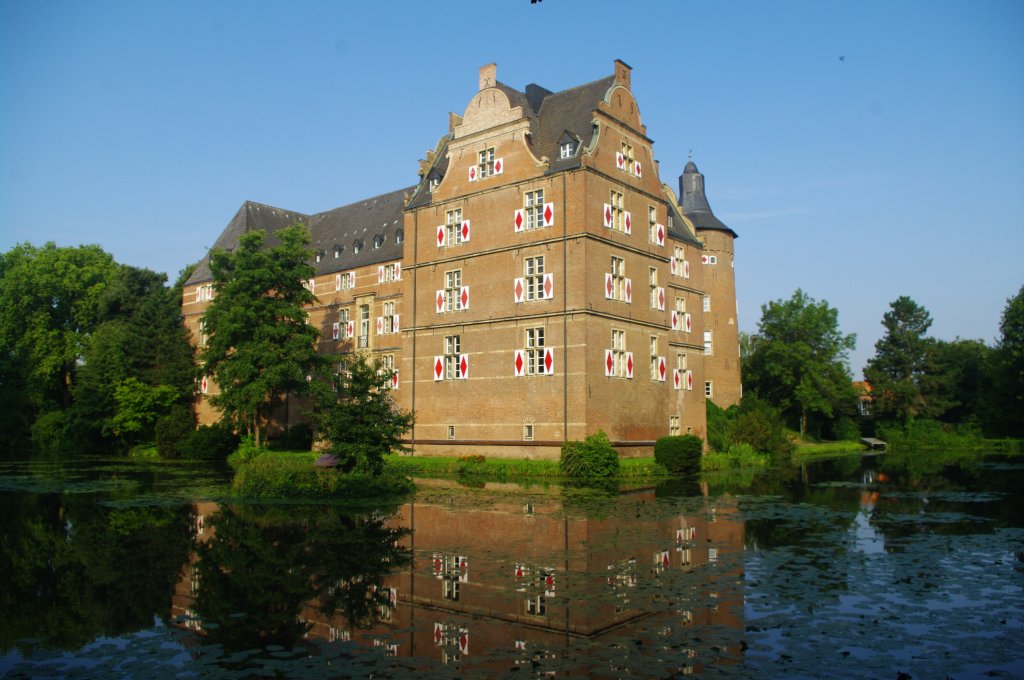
{"x":862,"y":150}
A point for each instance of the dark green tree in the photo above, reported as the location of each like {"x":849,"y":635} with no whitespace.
{"x":798,"y":359}
{"x":1007,"y":371}
{"x":358,"y":419}
{"x":957,"y":382}
{"x":898,"y":371}
{"x":260,"y":347}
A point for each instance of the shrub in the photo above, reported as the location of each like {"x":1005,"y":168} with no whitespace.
{"x":52,"y":433}
{"x":172,"y":430}
{"x":592,"y":458}
{"x":738,"y":456}
{"x":719,"y":426}
{"x":679,"y":455}
{"x":209,"y":442}
{"x":281,"y":476}
{"x":296,"y":438}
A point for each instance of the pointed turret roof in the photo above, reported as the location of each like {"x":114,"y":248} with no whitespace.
{"x":695,"y":203}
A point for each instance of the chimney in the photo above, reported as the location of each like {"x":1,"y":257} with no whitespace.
{"x":488,"y":76}
{"x":622,"y":73}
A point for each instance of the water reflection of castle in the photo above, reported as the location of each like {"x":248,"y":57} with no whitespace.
{"x":520,"y":579}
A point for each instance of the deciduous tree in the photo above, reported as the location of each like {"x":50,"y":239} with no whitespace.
{"x":1008,"y":370}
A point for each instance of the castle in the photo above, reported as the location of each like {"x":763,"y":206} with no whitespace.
{"x":537,"y":284}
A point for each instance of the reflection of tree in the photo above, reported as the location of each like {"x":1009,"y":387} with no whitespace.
{"x":263,"y":564}
{"x":75,"y":570}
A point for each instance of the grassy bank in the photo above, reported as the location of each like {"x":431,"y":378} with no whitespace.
{"x":813,"y":450}
{"x":508,"y":469}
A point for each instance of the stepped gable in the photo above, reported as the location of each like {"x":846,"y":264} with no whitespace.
{"x":373,"y":223}
{"x":251,"y":216}
{"x":695,"y":203}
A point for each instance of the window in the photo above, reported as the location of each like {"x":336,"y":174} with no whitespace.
{"x":343,"y":317}
{"x":453,"y":226}
{"x":451,"y":587}
{"x":534,"y":270}
{"x":338,"y":250}
{"x":706,"y":301}
{"x":346,"y":281}
{"x":391,"y":272}
{"x":708,"y":392}
{"x":567,"y":150}
{"x":451,"y":432}
{"x":652,"y":280}
{"x":319,"y":254}
{"x":707,"y":343}
{"x":619,"y":353}
{"x":204,"y":293}
{"x":378,"y":241}
{"x":364,"y":327}
{"x":627,"y":157}
{"x":203,"y":335}
{"x":654,"y":357}
{"x":533,"y":204}
{"x":357,"y":246}
{"x":681,"y":361}
{"x":485,"y":164}
{"x":433,"y":185}
{"x":400,"y":236}
{"x":618,"y":278}
{"x":389,"y":318}
{"x":452,"y":366}
{"x":535,"y":351}
{"x":673,"y":426}
{"x":387,"y":362}
{"x":452,"y":290}
{"x":528,"y":432}
{"x":652,"y":224}
{"x":617,"y":202}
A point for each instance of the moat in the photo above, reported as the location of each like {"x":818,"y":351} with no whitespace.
{"x":847,"y":568}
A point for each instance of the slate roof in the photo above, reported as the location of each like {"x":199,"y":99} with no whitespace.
{"x":694,"y":202}
{"x":365,"y":221}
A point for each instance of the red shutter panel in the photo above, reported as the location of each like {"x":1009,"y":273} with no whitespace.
{"x":609,"y":363}
{"x":686,"y":269}
{"x":394,"y":329}
{"x":499,"y":165}
{"x":439,"y":301}
{"x":519,"y":220}
{"x":609,"y":287}
{"x":607,"y":215}
{"x":673,"y":266}
{"x":661,"y":299}
{"x":689,"y":380}
{"x":464,"y":297}
{"x":464,"y":365}
{"x":351,"y":330}
{"x":465,"y":230}
{"x":394,"y":379}
{"x":549,"y":286}
{"x":438,"y":368}
{"x":620,"y":160}
{"x":629,"y":290}
{"x":662,"y":369}
{"x":687,"y":322}
{"x":440,"y":236}
{"x":703,"y":259}
{"x":637,"y":170}
{"x":519,"y":364}
{"x":380,"y":325}
{"x":628,"y":221}
{"x":204,"y":385}
{"x":549,"y":362}
{"x":398,"y":271}
{"x":336,"y":331}
{"x":380,"y":274}
{"x":472,"y":173}
{"x":549,"y":214}
{"x":464,"y":640}
{"x":677,"y":379}
{"x":518,"y":289}
{"x":629,"y":365}
{"x":660,"y":231}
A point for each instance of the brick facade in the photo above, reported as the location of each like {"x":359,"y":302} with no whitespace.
{"x":538,"y":284}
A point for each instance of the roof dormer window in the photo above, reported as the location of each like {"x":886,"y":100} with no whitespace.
{"x":378,"y":241}
{"x":357,"y":246}
{"x":338,"y":251}
{"x":319,"y":255}
{"x":399,"y":236}
{"x":434,"y":182}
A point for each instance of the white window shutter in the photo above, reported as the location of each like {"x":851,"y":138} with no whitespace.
{"x":440,"y":236}
{"x":609,"y":363}
{"x":518,"y":289}
{"x":549,"y":361}
{"x":661,"y":299}
{"x":675,"y":320}
{"x":337,"y":282}
{"x":439,"y":301}
{"x":662,"y":369}
{"x":519,"y":364}
{"x":465,"y":230}
{"x":620,"y":160}
{"x":395,"y":323}
{"x":380,"y":274}
{"x":628,"y":222}
{"x":677,"y":379}
{"x":629,"y":365}
{"x":607,"y":215}
{"x":204,"y":385}
{"x":686,"y":269}
{"x":394,"y":379}
{"x":687,"y":322}
{"x":703,"y":259}
{"x":351,"y":330}
{"x":438,"y":368}
{"x":464,"y":297}
{"x":398,"y":271}
{"x":464,"y":365}
{"x":673,"y":266}
{"x":637,"y":170}
{"x":609,"y":287}
{"x":549,"y":286}
{"x":335,"y":331}
{"x":659,"y":230}
{"x":199,"y":294}
{"x":629,"y":291}
{"x":380,"y":325}
{"x":689,"y":380}
{"x":499,"y":166}
{"x":519,"y":220}
{"x":549,"y":214}
{"x":472,"y":173}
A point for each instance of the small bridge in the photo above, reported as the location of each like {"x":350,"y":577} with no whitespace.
{"x":873,"y":444}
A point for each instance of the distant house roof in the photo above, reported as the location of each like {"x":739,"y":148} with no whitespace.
{"x":374,"y":222}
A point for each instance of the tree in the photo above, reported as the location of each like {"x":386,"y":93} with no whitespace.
{"x":898,"y":371}
{"x":358,"y":419}
{"x":957,"y":380}
{"x":798,"y":359}
{"x":1007,"y":370}
{"x":259,"y":345}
